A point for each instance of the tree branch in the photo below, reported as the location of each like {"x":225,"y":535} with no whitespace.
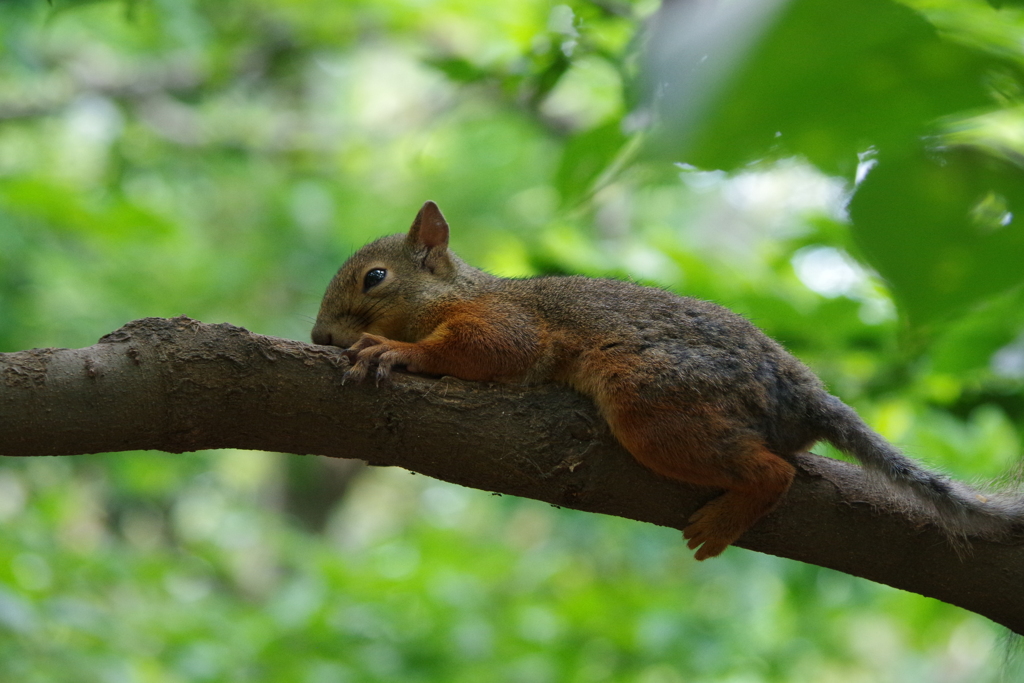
{"x":181,"y":385}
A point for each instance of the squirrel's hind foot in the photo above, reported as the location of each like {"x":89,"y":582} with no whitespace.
{"x":714,"y":527}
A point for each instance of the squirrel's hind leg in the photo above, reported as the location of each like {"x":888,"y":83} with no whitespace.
{"x":698,"y":447}
{"x":720,"y":522}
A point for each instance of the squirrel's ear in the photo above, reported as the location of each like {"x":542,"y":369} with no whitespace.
{"x":430,"y":228}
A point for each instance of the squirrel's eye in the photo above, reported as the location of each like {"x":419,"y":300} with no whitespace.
{"x":373,"y":278}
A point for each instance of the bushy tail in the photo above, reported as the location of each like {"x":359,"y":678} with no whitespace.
{"x":961,"y":510}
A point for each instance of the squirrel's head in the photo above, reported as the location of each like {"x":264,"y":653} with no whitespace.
{"x":382,"y":286}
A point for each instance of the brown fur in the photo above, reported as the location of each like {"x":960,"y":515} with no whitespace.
{"x":693,"y":391}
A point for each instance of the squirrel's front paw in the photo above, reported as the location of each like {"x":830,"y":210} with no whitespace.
{"x":371,"y":349}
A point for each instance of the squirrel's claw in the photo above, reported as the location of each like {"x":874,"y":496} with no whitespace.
{"x":355,"y":373}
{"x":372,"y":350}
{"x":708,"y":530}
{"x":361,"y":356}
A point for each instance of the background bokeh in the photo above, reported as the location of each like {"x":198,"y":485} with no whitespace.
{"x":220,"y":159}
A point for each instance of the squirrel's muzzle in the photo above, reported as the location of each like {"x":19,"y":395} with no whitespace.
{"x":340,"y":334}
{"x":321,"y":336}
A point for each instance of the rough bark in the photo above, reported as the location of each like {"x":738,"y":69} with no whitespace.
{"x":181,"y":385}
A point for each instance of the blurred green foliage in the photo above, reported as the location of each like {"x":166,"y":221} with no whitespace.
{"x":220,"y":160}
{"x":827,"y":81}
{"x":849,"y":87}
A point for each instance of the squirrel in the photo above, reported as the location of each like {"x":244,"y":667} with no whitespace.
{"x":692,"y":390}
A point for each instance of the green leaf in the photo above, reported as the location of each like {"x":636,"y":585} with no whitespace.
{"x":459,"y":69}
{"x":943,"y":229}
{"x":816,"y":78}
{"x":968,"y":344}
{"x":585,"y":157}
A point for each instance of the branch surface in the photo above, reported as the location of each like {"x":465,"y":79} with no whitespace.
{"x":180,"y":385}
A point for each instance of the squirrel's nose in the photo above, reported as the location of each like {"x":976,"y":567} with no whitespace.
{"x":321,"y":337}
